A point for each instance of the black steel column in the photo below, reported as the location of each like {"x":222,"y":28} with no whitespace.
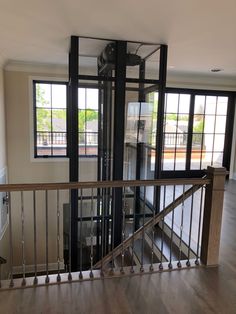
{"x":139,"y":146}
{"x":72,"y":140}
{"x":118,"y":138}
{"x":190,"y":133}
{"x":160,"y":120}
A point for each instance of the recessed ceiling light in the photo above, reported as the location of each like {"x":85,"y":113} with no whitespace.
{"x":215,"y":70}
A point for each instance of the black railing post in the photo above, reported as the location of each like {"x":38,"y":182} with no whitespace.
{"x":118,"y":139}
{"x":72,"y":139}
{"x":160,"y":121}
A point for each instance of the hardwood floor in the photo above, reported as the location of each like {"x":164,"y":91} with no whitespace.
{"x":201,"y":290}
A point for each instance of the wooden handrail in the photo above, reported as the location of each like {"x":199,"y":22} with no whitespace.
{"x":101,"y":184}
{"x":149,"y":224}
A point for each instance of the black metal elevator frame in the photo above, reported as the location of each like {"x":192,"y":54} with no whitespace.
{"x":104,"y":158}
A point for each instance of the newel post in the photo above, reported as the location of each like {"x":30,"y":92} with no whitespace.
{"x":212,"y":218}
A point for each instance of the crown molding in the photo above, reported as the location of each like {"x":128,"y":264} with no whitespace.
{"x":201,"y":81}
{"x":22,"y":66}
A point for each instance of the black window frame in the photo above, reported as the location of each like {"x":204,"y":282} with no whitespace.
{"x":57,"y":82}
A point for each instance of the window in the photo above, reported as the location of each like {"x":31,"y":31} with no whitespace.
{"x":88,"y":121}
{"x":50,"y":130}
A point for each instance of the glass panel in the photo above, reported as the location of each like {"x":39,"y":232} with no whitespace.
{"x":217,"y":159}
{"x":208,"y":142}
{"x":81,"y":119}
{"x":209,"y":124}
{"x":82,"y":148}
{"x":184,"y":103}
{"x":169,"y":139}
{"x":180,"y":161}
{"x":58,"y":96}
{"x":43,"y":119}
{"x":168,"y":162}
{"x":43,"y":95}
{"x":219,"y":142}
{"x":81,"y":98}
{"x":153,"y":99}
{"x":59,"y":150}
{"x":145,"y":122}
{"x":199,"y":105}
{"x":198,"y":124}
{"x":210,"y":105}
{"x":206,"y":159}
{"x":172,"y":103}
{"x":220,"y":124}
{"x":195,"y":159}
{"x":59,"y":120}
{"x":44,"y":151}
{"x":132,"y":122}
{"x":92,"y":98}
{"x":222,"y":105}
{"x":91,"y":124}
{"x":59,"y":138}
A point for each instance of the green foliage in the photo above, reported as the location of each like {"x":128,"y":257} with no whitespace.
{"x":198,"y":127}
{"x":44,"y":113}
{"x":86,"y":115}
{"x":171,"y":116}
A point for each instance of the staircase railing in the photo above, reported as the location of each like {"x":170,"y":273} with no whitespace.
{"x":184,"y":230}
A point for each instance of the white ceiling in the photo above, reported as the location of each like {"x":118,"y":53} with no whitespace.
{"x":200,"y":34}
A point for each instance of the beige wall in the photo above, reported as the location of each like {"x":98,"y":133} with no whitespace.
{"x":2,"y":124}
{"x":4,"y":241}
{"x":24,"y":169}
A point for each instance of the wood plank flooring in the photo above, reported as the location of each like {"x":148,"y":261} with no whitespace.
{"x":201,"y":290}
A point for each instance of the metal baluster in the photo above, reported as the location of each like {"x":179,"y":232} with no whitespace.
{"x":10,"y":243}
{"x":23,"y":239}
{"x":113,"y":234}
{"x":172,"y":232}
{"x":181,"y":229}
{"x":81,"y":248}
{"x":123,"y":234}
{"x":58,"y":237}
{"x":35,"y":239}
{"x":46,"y":216}
{"x":103,"y":236}
{"x":69,"y":239}
{"x":91,"y":236}
{"x":190,"y":231}
{"x":199,"y":226}
{"x":162,"y":228}
{"x":153,"y":237}
{"x":143,"y":233}
{"x":132,"y":245}
{"x":80,"y":236}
